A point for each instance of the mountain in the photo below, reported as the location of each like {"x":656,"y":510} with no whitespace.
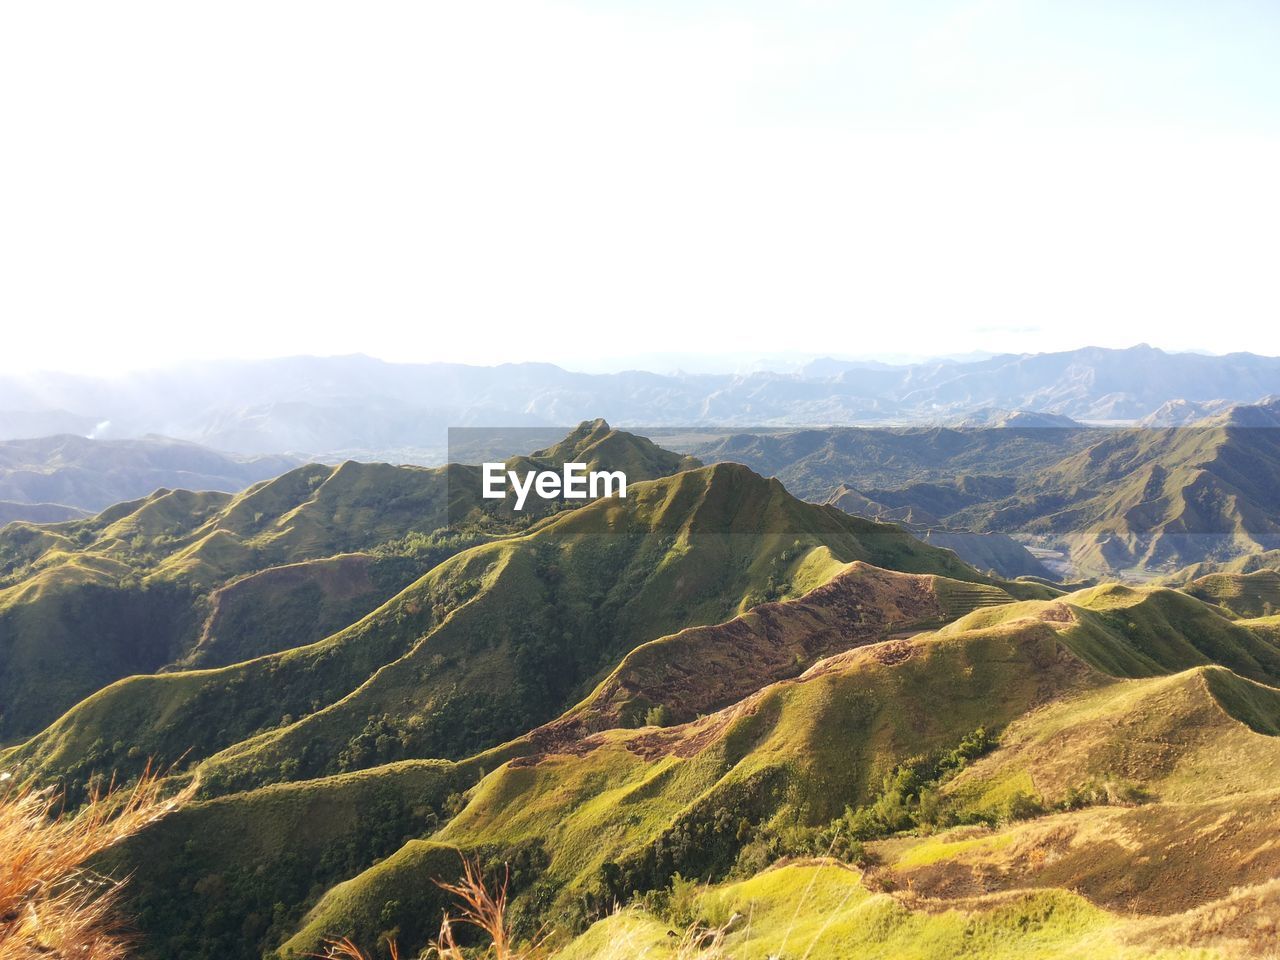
{"x":997,"y":552}
{"x":93,"y":474}
{"x":707,"y":705}
{"x":489,"y":642}
{"x":334,"y":408}
{"x":991,"y":418}
{"x":199,"y":577}
{"x":1099,"y":384}
{"x":26,"y":424}
{"x":1117,"y":501}
{"x":1184,"y":413}
{"x":37,"y":512}
{"x":814,"y":463}
{"x":1254,"y":594}
{"x":1154,"y":499}
{"x":898,"y":788}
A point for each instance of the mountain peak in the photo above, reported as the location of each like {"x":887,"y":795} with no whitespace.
{"x":600,"y":446}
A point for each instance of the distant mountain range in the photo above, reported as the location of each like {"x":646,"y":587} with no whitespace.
{"x":37,"y":512}
{"x":358,"y":407}
{"x":59,"y":477}
{"x":1138,"y":499}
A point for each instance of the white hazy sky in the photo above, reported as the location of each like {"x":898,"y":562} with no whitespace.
{"x":490,"y":181}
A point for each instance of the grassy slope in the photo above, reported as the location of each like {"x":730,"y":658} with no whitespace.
{"x":796,"y":752}
{"x":291,"y":605}
{"x":601,"y":579}
{"x":824,"y":911}
{"x":128,"y":591}
{"x":121,"y":593}
{"x":561,"y":606}
{"x":800,"y":750}
{"x":45,"y":662}
{"x":880,"y":601}
{"x":224,"y":875}
{"x":1254,"y":594}
{"x":1108,"y":685}
{"x":702,"y":669}
{"x":1143,"y":631}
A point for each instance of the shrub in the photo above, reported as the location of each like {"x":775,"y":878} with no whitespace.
{"x":1022,"y":806}
{"x":659,"y":716}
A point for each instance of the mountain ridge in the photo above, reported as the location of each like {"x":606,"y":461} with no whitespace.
{"x":359,"y":407}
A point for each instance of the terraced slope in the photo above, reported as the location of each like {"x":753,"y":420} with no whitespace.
{"x":1254,"y":594}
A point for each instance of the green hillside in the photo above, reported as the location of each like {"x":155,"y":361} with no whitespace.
{"x":918,"y":758}
{"x":206,"y":579}
{"x":494,"y":641}
{"x":860,"y":601}
{"x":1254,"y":594}
{"x":707,"y":706}
{"x":851,"y":747}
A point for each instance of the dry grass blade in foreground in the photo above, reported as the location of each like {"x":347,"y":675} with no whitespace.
{"x":487,"y":911}
{"x":480,"y":908}
{"x":50,"y":903}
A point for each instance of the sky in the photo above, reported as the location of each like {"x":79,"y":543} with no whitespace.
{"x":586,"y":183}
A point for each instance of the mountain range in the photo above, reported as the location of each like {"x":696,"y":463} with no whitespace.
{"x":1138,"y":501}
{"x":711,"y":702}
{"x":339,"y":407}
{"x":206,"y":577}
{"x":69,"y":471}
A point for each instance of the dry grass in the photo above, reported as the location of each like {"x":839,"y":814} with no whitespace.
{"x":480,"y":907}
{"x":1245,"y":923}
{"x":696,"y":943}
{"x":485,"y":911}
{"x":51,"y":904}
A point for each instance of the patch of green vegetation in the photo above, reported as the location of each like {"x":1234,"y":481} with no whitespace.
{"x":490,"y":643}
{"x":234,"y":877}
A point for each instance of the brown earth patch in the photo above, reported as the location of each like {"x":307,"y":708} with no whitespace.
{"x":702,"y":671}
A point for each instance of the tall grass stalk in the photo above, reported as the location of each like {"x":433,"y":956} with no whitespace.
{"x":51,"y":902}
